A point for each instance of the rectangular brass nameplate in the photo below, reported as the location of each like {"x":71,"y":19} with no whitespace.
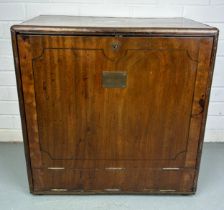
{"x":114,"y":79}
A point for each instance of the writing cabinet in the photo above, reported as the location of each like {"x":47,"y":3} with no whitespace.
{"x":113,"y":105}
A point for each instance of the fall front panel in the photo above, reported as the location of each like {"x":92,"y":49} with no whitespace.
{"x":75,"y":121}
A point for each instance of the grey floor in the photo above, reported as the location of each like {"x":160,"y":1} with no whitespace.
{"x":14,"y":194}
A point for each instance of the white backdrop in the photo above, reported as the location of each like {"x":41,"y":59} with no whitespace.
{"x":15,"y":11}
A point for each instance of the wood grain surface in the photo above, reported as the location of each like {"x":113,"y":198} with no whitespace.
{"x":83,"y":137}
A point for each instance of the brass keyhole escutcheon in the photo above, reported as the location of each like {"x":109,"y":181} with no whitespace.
{"x":115,"y":45}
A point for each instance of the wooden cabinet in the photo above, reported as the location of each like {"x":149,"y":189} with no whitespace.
{"x":113,"y":105}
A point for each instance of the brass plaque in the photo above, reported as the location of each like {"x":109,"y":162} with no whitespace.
{"x":114,"y":79}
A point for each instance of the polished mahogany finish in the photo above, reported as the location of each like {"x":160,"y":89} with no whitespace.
{"x":113,"y":105}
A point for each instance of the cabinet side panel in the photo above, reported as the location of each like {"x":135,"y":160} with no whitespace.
{"x":200,"y":101}
{"x":27,"y":86}
{"x":21,"y":106}
{"x":206,"y":102}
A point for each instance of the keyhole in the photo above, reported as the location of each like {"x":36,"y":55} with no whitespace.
{"x":115,"y":45}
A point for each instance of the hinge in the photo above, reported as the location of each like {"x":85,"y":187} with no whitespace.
{"x":55,"y":168}
{"x":115,"y":168}
{"x":169,"y":190}
{"x":112,"y":190}
{"x":59,"y":190}
{"x":170,"y":169}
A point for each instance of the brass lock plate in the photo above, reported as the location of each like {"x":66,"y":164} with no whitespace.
{"x":114,"y":79}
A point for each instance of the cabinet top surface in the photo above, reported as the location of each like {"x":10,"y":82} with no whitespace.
{"x":112,"y":24}
{"x":81,"y":21}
